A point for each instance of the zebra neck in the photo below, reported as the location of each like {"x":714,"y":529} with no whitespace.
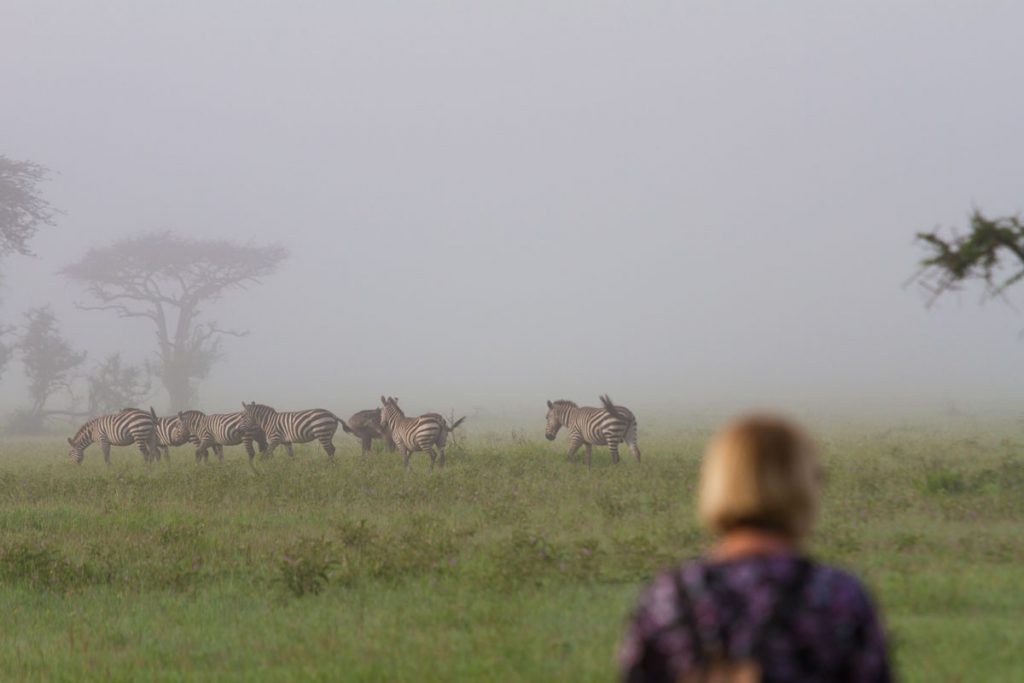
{"x":84,"y":436}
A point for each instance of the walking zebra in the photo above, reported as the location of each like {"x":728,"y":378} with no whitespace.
{"x":129,"y":426}
{"x":219,"y":430}
{"x":365,"y":425}
{"x":296,"y":427}
{"x":413,"y":434}
{"x":170,"y":431}
{"x":609,"y":425}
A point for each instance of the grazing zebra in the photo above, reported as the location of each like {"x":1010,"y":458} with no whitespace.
{"x":365,"y":425}
{"x":129,"y":426}
{"x":413,"y":434}
{"x":609,"y":425}
{"x":296,"y":427}
{"x":219,"y":430}
{"x":170,"y":431}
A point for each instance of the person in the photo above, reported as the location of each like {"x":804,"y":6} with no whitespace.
{"x":756,"y":608}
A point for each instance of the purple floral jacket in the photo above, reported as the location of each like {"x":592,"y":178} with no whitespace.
{"x":798,"y":620}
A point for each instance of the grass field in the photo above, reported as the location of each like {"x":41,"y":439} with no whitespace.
{"x":509,"y":565}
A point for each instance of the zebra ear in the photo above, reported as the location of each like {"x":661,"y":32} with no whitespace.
{"x":550,"y":405}
{"x":383,"y":400}
{"x":70,"y":442}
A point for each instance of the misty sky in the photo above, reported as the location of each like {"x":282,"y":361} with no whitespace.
{"x":500,"y":203}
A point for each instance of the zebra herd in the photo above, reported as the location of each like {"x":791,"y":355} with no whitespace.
{"x":256,"y":423}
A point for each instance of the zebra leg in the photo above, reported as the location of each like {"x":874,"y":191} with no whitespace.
{"x":574,"y":445}
{"x":249,"y":450}
{"x":613,"y":447}
{"x":429,"y":450}
{"x":441,"y":453}
{"x":219,"y":450}
{"x":288,"y":449}
{"x":589,"y":449}
{"x":406,"y":453}
{"x":105,"y":447}
{"x":367,"y":444}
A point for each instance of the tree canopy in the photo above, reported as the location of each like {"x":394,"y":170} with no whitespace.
{"x":48,"y":360}
{"x":166,"y":278}
{"x":22,"y":209}
{"x":991,"y":253}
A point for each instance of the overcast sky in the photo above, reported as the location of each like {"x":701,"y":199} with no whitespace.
{"x":492,"y":204}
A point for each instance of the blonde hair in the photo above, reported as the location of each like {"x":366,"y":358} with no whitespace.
{"x":760,"y":472}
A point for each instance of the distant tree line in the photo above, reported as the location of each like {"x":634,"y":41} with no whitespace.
{"x":163,"y":278}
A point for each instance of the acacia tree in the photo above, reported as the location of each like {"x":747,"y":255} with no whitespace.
{"x":22,"y":209}
{"x":114,"y":384}
{"x":167,"y":279}
{"x":992,"y":253}
{"x":22,"y":212}
{"x":48,"y":361}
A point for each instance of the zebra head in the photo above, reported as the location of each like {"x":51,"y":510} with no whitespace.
{"x":556,"y":418}
{"x":389,"y":412}
{"x":78,"y":444}
{"x":188,"y":425}
{"x":256,"y":416}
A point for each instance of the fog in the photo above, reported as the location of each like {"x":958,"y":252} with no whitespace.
{"x":492,"y":204}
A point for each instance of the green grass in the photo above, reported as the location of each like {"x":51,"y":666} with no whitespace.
{"x":508,"y":565}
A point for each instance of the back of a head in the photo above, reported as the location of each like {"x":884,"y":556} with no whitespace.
{"x":760,"y":472}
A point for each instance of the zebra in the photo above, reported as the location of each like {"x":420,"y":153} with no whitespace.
{"x":413,"y":434}
{"x":609,"y":425}
{"x":219,"y":430}
{"x":117,"y":429}
{"x":295,"y":427}
{"x":170,"y":431}
{"x":365,"y":425}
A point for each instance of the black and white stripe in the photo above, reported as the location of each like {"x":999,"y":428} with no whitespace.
{"x":300,"y":426}
{"x":412,"y":434}
{"x":609,"y":425}
{"x":170,"y":431}
{"x":219,"y":430}
{"x":127,"y":427}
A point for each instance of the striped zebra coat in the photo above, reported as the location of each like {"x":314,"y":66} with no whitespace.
{"x":588,"y":427}
{"x":285,"y":429}
{"x":219,"y":430}
{"x":412,"y":434}
{"x":170,"y":431}
{"x":124,"y":428}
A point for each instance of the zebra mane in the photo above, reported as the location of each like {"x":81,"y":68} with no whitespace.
{"x":564,"y":403}
{"x":82,"y":430}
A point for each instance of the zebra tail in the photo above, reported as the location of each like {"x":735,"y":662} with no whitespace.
{"x":606,"y":401}
{"x":457,"y":423}
{"x":344,"y":426}
{"x":152,"y":412}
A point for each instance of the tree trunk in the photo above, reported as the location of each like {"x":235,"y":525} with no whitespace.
{"x":179,"y":389}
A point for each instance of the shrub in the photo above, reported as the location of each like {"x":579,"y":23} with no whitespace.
{"x":944,"y":481}
{"x":42,"y":568}
{"x":305,"y":567}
